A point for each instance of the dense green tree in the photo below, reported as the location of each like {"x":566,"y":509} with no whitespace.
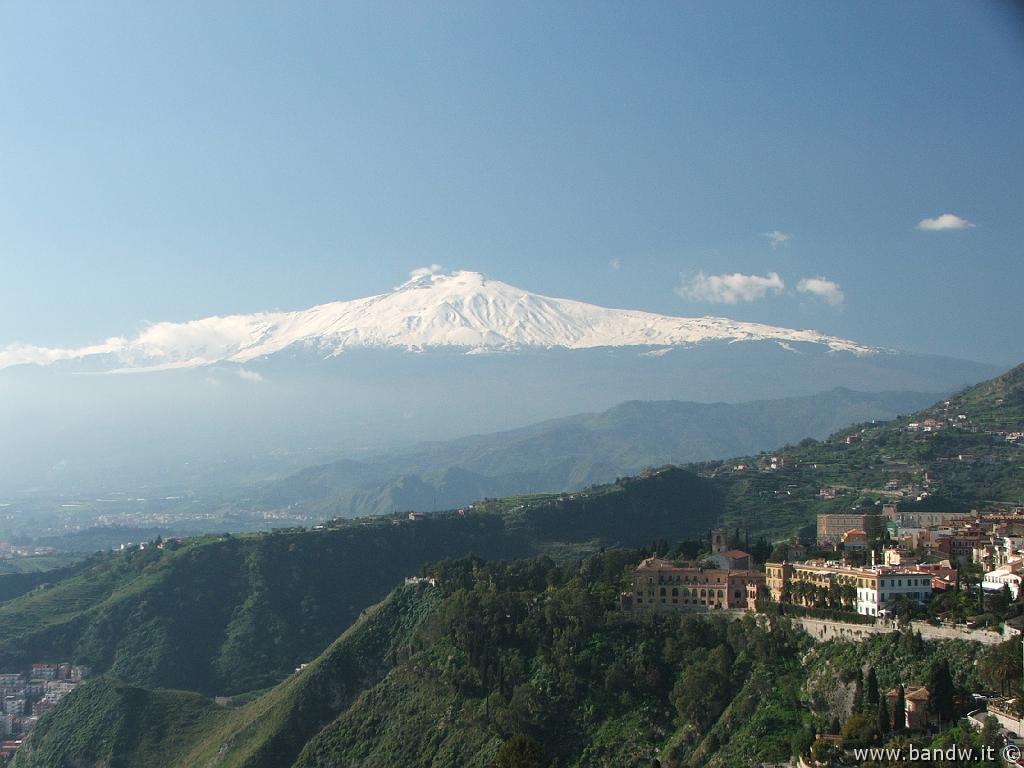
{"x":761,"y":551}
{"x":991,"y":734}
{"x":941,"y":691}
{"x":703,"y":690}
{"x":521,"y":751}
{"x":858,"y":695}
{"x":1002,"y":667}
{"x":883,"y":725}
{"x":849,"y":596}
{"x":858,"y":729}
{"x":825,"y":752}
{"x":690,"y":549}
{"x":736,"y":542}
{"x":871,"y":686}
{"x":999,"y":603}
{"x":801,"y":741}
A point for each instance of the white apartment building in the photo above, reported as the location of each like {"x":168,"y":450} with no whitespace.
{"x":878,"y":589}
{"x":1008,"y":575}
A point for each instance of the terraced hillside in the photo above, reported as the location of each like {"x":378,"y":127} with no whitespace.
{"x":962,"y":452}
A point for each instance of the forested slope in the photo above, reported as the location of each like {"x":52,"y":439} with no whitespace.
{"x":523,"y":657}
{"x":228,"y":614}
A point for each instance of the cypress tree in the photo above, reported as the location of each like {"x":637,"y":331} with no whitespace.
{"x":899,"y":710}
{"x":941,"y":691}
{"x":883,"y":719}
{"x":872,"y":686}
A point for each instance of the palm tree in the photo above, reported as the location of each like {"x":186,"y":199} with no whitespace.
{"x":849,"y":596}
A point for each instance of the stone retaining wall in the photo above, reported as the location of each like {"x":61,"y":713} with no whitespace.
{"x":823,"y":630}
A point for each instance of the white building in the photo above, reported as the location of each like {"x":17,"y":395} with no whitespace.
{"x":995,"y":580}
{"x":879,"y":589}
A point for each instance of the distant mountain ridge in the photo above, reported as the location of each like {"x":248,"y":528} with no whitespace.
{"x":464,"y":310}
{"x":576,"y":451}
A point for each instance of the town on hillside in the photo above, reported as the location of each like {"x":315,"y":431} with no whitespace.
{"x":936,"y":575}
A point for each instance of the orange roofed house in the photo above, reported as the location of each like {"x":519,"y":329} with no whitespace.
{"x":916,"y":708}
{"x":855,"y":540}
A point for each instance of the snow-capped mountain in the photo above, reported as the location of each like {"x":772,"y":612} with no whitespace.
{"x":247,"y":396}
{"x":463,"y":310}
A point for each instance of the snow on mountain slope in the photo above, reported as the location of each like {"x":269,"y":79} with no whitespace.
{"x":462,"y":310}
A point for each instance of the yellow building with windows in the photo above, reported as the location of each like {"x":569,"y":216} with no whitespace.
{"x":662,"y":585}
{"x":871,"y":590}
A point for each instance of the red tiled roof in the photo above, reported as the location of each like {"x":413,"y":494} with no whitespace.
{"x":918,"y":694}
{"x":910,"y":693}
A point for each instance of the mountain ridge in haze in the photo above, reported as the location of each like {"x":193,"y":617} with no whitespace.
{"x":576,"y":451}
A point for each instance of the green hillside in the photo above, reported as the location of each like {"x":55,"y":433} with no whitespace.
{"x":228,"y":614}
{"x":21,"y":579}
{"x":111,"y":724}
{"x":574,"y":452}
{"x":965,"y":462}
{"x":38,"y":564}
{"x":528,"y":655}
{"x":164,"y":727}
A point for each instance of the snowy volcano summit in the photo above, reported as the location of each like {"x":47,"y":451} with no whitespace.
{"x":438,"y":357}
{"x":462,"y":310}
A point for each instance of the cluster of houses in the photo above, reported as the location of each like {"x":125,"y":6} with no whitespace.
{"x":728,"y":580}
{"x":937,"y":542}
{"x":25,"y":697}
{"x":994,"y":541}
{"x":923,"y":554}
{"x":8,"y":550}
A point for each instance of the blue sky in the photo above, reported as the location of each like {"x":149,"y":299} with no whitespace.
{"x":170,"y":161}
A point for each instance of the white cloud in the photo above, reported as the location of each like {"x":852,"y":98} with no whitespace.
{"x":731,"y":289}
{"x":777,"y":237}
{"x":823,"y":288}
{"x":421,"y":276}
{"x":433,"y":269}
{"x":246,"y":375}
{"x":943,"y":222}
{"x":615,"y":265}
{"x":22,"y":354}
